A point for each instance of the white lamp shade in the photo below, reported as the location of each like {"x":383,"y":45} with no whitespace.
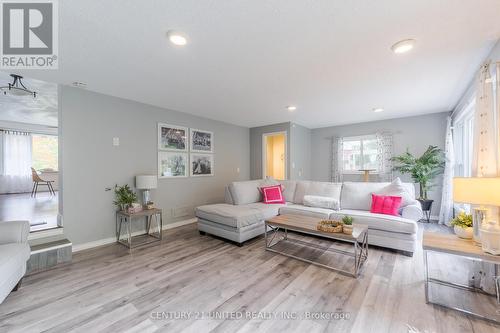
{"x":477,"y":190}
{"x":146,"y":182}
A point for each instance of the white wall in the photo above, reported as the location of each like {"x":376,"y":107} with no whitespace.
{"x":415,"y":133}
{"x":91,"y":163}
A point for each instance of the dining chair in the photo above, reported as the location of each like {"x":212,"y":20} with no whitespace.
{"x":39,"y":181}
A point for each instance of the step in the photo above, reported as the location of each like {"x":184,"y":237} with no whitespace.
{"x":48,"y":255}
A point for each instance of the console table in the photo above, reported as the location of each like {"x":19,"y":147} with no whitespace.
{"x":486,"y":306}
{"x":127,"y":219}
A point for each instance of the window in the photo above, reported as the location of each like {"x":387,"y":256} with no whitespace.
{"x":463,"y":135}
{"x":359,"y":153}
{"x":44,"y":152}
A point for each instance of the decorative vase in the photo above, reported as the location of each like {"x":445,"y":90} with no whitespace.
{"x":347,"y":229}
{"x":465,"y":233}
{"x":490,"y":237}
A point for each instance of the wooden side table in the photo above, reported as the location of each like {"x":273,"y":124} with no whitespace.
{"x":127,"y":219}
{"x":366,"y":174}
{"x":478,"y":303}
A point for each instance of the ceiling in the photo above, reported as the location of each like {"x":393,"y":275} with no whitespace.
{"x":247,"y":60}
{"x":41,"y":110}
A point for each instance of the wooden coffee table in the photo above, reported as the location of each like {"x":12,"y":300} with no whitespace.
{"x":307,"y":225}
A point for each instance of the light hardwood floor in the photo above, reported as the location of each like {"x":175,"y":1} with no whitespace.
{"x":41,"y":211}
{"x":108,"y":289}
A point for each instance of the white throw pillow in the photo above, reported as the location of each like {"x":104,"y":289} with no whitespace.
{"x":321,"y":202}
{"x":396,"y":188}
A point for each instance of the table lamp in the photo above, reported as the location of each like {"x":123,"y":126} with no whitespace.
{"x":146,"y":183}
{"x":482,"y":191}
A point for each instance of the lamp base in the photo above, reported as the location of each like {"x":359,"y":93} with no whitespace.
{"x":145,"y":197}
{"x":478,"y":217}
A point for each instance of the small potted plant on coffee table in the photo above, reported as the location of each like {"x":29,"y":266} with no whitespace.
{"x":462,"y":225}
{"x":347,"y":228}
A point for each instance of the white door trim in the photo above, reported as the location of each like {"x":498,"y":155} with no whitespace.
{"x":264,"y":152}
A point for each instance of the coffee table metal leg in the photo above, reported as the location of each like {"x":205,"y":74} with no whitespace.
{"x":356,"y":258}
{"x":265,"y":233}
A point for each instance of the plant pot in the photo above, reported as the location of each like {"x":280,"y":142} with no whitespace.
{"x":347,"y":229}
{"x":426,"y":204}
{"x":465,"y":233}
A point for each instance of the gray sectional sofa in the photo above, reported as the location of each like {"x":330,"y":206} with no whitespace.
{"x":242,"y":215}
{"x":14,"y":253}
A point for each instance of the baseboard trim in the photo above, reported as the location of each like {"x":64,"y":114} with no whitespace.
{"x":110,"y":240}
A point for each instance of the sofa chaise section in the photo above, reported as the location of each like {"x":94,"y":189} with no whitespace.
{"x":241,"y":217}
{"x":14,"y":253}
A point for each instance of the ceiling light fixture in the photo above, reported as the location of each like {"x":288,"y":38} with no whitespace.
{"x":17,"y":87}
{"x":403,"y":46}
{"x":177,"y":38}
{"x":378,"y":109}
{"x":291,"y":108}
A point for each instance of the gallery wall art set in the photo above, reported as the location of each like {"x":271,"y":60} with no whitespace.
{"x":184,"y":152}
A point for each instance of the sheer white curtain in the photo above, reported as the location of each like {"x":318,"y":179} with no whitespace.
{"x":337,"y":160}
{"x":446,"y":210}
{"x":485,"y":157}
{"x":16,"y":162}
{"x":384,"y":155}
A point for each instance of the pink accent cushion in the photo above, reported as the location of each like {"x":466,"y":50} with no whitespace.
{"x":272,"y":194}
{"x":385,"y":204}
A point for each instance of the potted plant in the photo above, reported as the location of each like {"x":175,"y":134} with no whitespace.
{"x":462,"y":225}
{"x":347,"y":228}
{"x":124,"y":197}
{"x":422,"y":170}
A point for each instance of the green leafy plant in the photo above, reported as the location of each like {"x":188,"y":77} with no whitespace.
{"x":124,"y":196}
{"x":347,"y":220}
{"x":422,"y":169}
{"x":463,"y":220}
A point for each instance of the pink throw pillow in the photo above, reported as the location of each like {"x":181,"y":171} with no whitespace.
{"x":272,"y":194}
{"x":385,"y":204}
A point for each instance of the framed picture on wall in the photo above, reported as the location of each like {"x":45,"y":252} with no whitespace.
{"x":202,"y":141}
{"x":202,"y":165}
{"x":172,"y":164}
{"x":172,"y":137}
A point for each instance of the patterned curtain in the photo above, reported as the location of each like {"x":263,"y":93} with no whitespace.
{"x":384,"y":155}
{"x":337,"y":161}
{"x":485,"y":160}
{"x":446,"y":210}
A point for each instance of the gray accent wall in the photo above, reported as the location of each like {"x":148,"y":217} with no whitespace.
{"x":256,"y":147}
{"x":415,"y":133}
{"x":89,"y":121}
{"x":298,"y":164}
{"x":300,"y":152}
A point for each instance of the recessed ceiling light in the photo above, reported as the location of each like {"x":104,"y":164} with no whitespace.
{"x":378,"y":109}
{"x":291,"y":108}
{"x":177,"y":38}
{"x":403,"y":46}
